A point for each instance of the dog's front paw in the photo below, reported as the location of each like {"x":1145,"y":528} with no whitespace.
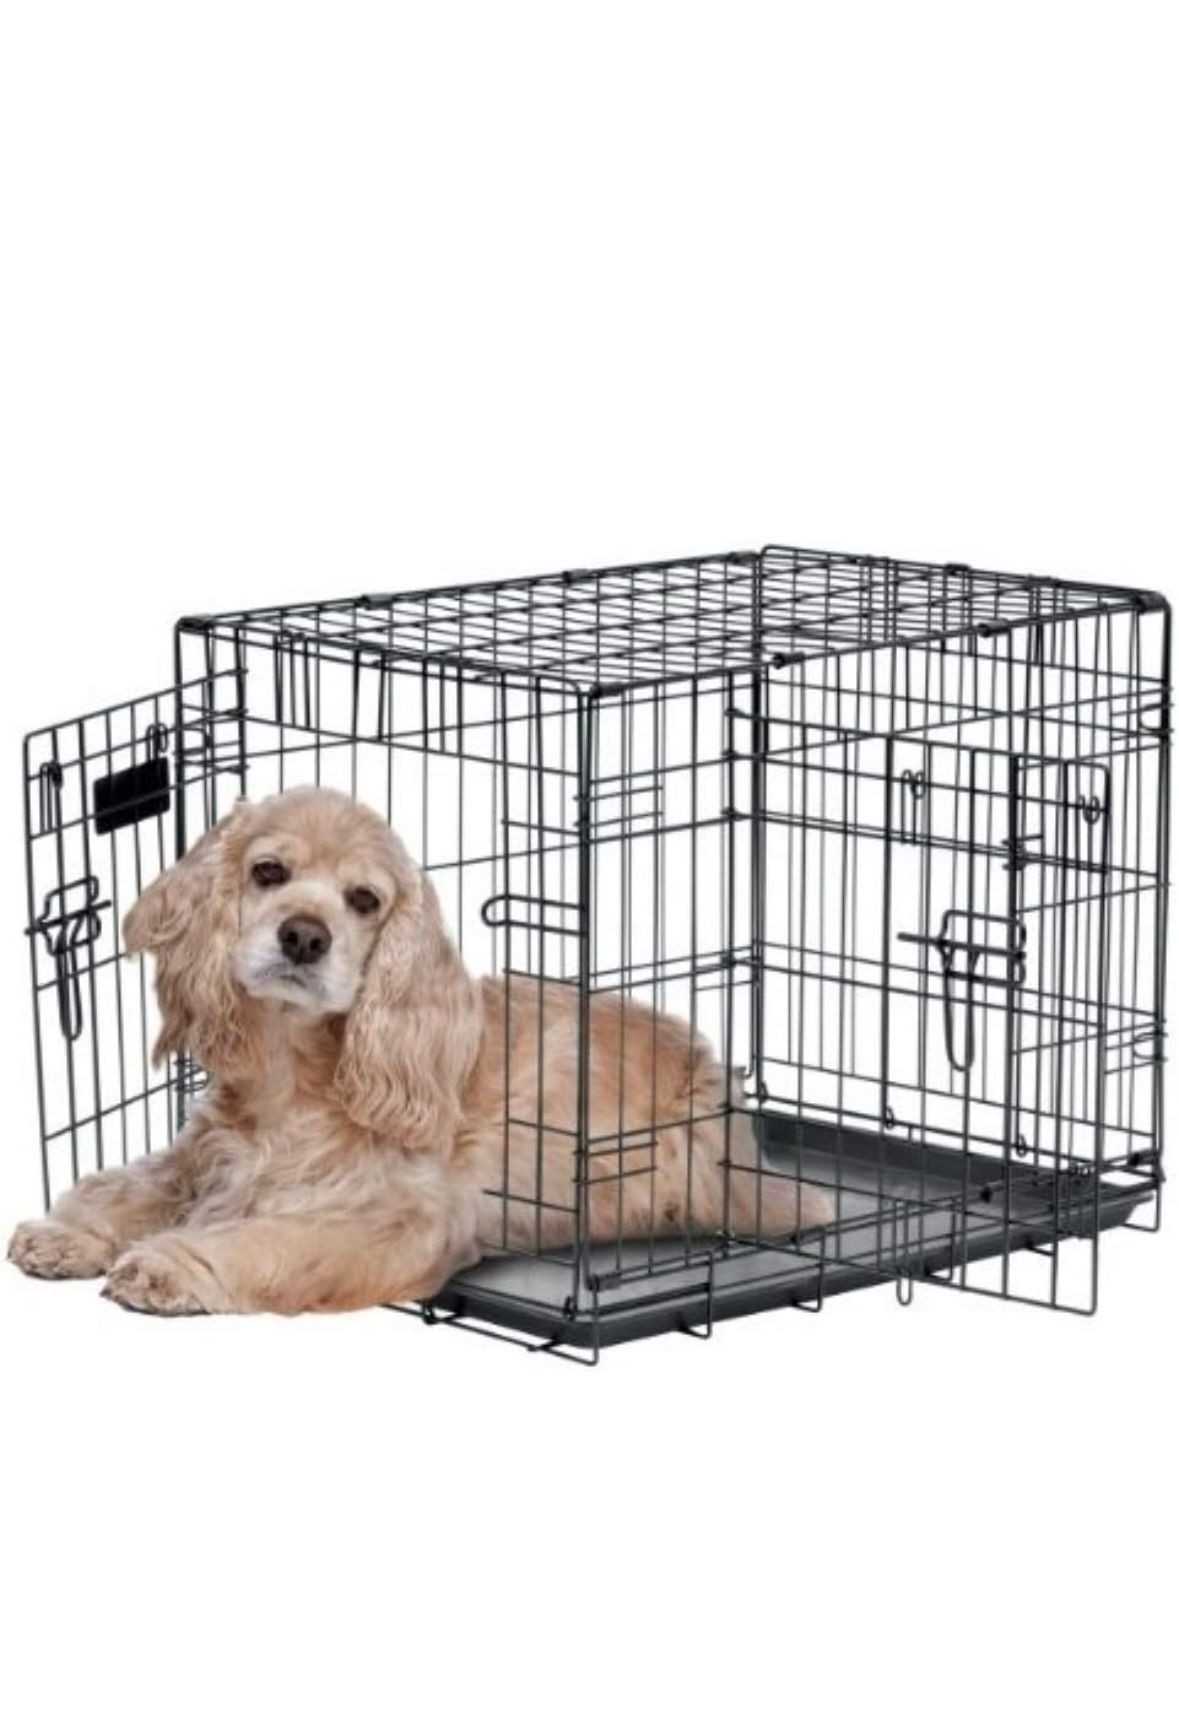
{"x":153,"y":1278}
{"x":49,"y":1250}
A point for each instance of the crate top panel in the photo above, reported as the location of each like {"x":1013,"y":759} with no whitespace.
{"x":627,"y":625}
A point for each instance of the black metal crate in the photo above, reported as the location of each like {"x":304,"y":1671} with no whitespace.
{"x":893,"y":836}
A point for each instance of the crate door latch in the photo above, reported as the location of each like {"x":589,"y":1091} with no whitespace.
{"x":968,"y":963}
{"x":70,"y":922}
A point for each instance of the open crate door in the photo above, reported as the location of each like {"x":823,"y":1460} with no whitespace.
{"x":103,"y":796}
{"x":996,"y":1016}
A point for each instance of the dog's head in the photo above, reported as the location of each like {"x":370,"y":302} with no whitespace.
{"x":309,"y":900}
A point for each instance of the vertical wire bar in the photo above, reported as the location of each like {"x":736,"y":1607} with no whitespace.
{"x":626,"y":747}
{"x":116,"y":923}
{"x":727,"y":848}
{"x":925,"y":1008}
{"x":1076,"y":755}
{"x":972,"y":798}
{"x":1124,"y":891}
{"x":658,"y":945}
{"x":71,"y":1078}
{"x":87,"y":946}
{"x":1162,"y":891}
{"x":31,"y":902}
{"x":537,"y":769}
{"x":1099,"y":1059}
{"x":280,"y":698}
{"x":995,"y":796}
{"x":694,"y":938}
{"x":587,"y":728}
{"x":1041,"y":1068}
{"x":174,"y":1111}
{"x":501,"y":690}
{"x":178,"y":742}
{"x":847,"y":960}
{"x":759,"y":746}
{"x":1064,"y":831}
{"x":884,"y":1110}
{"x":461,"y":749}
{"x":1012,"y":1038}
{"x":856,"y":1018}
{"x":810,"y":955}
{"x":141,"y":962}
{"x":424,"y":763}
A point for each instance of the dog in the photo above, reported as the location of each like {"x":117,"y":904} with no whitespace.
{"x":370,"y":1124}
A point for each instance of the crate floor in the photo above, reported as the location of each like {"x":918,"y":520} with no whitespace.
{"x":903,"y":1208}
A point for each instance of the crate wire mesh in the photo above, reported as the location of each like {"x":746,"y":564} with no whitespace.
{"x":893,"y":836}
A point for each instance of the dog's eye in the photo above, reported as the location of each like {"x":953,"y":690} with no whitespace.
{"x":363,"y":900}
{"x":268,"y":873}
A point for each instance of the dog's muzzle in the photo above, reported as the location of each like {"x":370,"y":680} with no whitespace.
{"x":304,"y":940}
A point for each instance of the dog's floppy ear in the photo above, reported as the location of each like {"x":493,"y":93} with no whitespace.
{"x":413,"y":1035}
{"x":188,"y":920}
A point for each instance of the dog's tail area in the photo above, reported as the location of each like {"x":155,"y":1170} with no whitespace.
{"x":768,"y":1199}
{"x":731,"y":1183}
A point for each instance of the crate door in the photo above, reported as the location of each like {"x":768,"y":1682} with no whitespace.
{"x":995,"y":1018}
{"x":100,"y":824}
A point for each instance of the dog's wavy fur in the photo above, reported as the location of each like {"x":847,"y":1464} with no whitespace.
{"x":343,"y":1153}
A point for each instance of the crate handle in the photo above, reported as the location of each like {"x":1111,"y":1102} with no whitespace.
{"x":499,"y":912}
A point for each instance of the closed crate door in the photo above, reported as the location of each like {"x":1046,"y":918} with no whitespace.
{"x":934,"y":1021}
{"x":996,"y":1012}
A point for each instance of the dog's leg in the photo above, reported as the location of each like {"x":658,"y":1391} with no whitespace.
{"x":90,"y":1224}
{"x":288,"y":1264}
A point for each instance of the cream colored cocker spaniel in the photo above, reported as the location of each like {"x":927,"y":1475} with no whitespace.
{"x":350,"y":1148}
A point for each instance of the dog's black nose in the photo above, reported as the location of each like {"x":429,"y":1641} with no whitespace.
{"x":304,"y":940}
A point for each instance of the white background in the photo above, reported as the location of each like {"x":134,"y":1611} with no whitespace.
{"x":303,"y":299}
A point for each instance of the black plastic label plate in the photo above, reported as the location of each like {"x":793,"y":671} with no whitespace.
{"x":130,"y":795}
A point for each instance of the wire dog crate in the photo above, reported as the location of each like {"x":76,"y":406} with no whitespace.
{"x":892,"y":836}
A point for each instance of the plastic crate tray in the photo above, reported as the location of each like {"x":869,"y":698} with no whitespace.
{"x":905,"y":1209}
